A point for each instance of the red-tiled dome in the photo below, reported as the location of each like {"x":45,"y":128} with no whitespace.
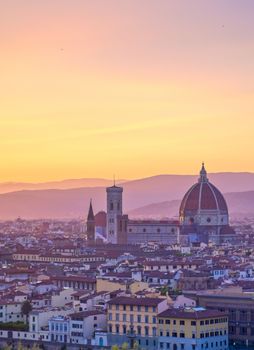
{"x":203,"y":196}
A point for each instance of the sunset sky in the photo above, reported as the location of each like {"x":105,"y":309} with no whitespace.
{"x":90,"y":88}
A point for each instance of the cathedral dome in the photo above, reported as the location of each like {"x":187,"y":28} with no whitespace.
{"x":203,"y":199}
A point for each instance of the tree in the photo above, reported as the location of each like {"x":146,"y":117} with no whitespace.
{"x":125,"y":346}
{"x":114,"y":347}
{"x":26,"y":309}
{"x":136,"y":346}
{"x":7,"y":347}
{"x":164,"y":290}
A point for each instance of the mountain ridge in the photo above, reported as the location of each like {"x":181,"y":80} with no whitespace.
{"x":71,"y":203}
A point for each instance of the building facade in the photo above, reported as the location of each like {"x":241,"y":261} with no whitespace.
{"x":160,"y":231}
{"x":192,"y":329}
{"x":240,"y":309}
{"x":59,"y":329}
{"x":134,"y":320}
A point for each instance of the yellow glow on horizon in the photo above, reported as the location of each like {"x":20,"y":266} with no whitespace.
{"x":83,"y":97}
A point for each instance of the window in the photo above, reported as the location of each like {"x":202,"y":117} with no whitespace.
{"x":182,"y":323}
{"x":146,"y":330}
{"x":193,"y":323}
{"x":146,"y":319}
{"x":139,"y":318}
{"x":117,"y":328}
{"x":174,"y":334}
{"x":139,"y":330}
{"x":167,"y":322}
{"x":243,"y":315}
{"x":154,"y":319}
{"x":243,"y":330}
{"x":124,"y":329}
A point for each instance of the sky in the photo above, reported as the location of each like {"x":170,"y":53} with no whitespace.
{"x":92,"y":88}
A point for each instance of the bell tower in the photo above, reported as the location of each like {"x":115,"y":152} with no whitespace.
{"x":114,"y":212}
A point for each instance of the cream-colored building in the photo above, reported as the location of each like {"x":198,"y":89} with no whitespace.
{"x":132,"y":319}
{"x":192,"y":329}
{"x":10,"y":311}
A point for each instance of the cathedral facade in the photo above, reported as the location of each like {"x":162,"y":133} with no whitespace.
{"x":203,"y":214}
{"x":203,"y":217}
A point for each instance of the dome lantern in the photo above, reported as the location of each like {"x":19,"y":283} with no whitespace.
{"x":203,"y":174}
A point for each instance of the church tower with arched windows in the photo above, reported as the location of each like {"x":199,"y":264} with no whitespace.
{"x":114,"y":212}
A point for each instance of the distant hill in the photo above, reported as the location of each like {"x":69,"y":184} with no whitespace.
{"x":162,"y":190}
{"x":239,"y":203}
{"x":6,"y":187}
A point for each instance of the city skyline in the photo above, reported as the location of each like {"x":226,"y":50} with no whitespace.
{"x":90,"y":89}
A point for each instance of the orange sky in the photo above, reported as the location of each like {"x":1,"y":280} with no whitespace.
{"x":135,"y":88}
